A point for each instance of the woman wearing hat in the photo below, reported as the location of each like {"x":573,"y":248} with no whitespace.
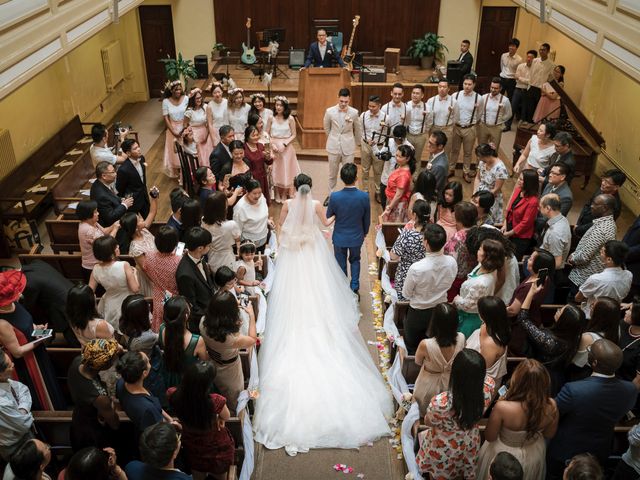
{"x":33,"y":366}
{"x":94,"y":416}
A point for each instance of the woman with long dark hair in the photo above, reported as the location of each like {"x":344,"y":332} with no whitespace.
{"x":205,"y":184}
{"x":282,"y":130}
{"x":181,"y":347}
{"x":425,"y":189}
{"x":196,"y":117}
{"x":465,"y":214}
{"x":604,"y":323}
{"x":208,"y":444}
{"x":491,"y":176}
{"x":258,"y":158}
{"x":174,"y":105}
{"x":451,"y":196}
{"x":449,"y":447}
{"x":522,"y":211}
{"x":83,"y":316}
{"x":224,"y":233}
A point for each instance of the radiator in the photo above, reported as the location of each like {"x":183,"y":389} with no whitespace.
{"x":113,"y":65}
{"x":7,"y":154}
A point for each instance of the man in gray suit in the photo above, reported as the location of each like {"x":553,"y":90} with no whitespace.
{"x":438,"y":161}
{"x":558,"y":185}
{"x":342,"y":128}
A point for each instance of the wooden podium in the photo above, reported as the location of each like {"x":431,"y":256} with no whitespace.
{"x":317,"y":91}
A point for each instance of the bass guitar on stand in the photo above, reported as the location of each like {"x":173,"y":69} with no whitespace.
{"x":347,"y":55}
{"x":248,"y":56}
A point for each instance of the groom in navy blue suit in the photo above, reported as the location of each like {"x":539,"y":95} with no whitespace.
{"x":353,"y":216}
{"x":322,"y":53}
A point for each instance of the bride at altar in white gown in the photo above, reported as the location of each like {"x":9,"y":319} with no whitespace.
{"x":319,"y":386}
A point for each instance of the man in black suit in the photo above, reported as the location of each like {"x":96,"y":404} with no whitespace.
{"x":466,"y":59}
{"x":193,"y":276}
{"x":131,"y":179}
{"x":221,"y":154}
{"x":322,"y":53}
{"x":610,"y":184}
{"x":563,"y":154}
{"x":110,"y":206}
{"x":177,"y":197}
{"x":589,"y":409}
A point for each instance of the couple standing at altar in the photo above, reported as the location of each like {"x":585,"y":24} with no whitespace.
{"x":319,"y":386}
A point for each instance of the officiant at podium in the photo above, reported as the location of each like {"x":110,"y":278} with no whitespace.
{"x":322,"y":53}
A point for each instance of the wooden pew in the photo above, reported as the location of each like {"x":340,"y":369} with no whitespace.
{"x":391,"y":231}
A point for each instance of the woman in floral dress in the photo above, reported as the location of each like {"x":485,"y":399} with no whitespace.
{"x":450,"y":445}
{"x":491,"y":176}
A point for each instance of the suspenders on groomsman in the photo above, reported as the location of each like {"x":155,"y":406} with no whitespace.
{"x":495,"y":111}
{"x":417,"y":128}
{"x":371,"y":129}
{"x":464,"y":131}
{"x":440,"y":117}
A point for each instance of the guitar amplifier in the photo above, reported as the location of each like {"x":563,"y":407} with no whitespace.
{"x":454,"y":72}
{"x":296,"y":58}
{"x":392,"y":59}
{"x":373,"y":74}
{"x":201,"y":65}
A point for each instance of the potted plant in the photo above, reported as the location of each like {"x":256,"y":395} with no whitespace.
{"x":179,"y":69}
{"x":427,"y":49}
{"x":218,"y":50}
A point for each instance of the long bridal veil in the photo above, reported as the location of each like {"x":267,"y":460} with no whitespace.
{"x":319,"y":386}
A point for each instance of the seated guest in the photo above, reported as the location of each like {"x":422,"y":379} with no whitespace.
{"x":94,"y":463}
{"x":207,"y":443}
{"x":177,"y":197}
{"x":435,"y":355}
{"x":449,"y":447}
{"x":99,"y":150}
{"x":465,"y":215}
{"x":29,"y":461}
{"x":220,"y":329}
{"x":103,"y":191}
{"x":193,"y":276}
{"x":632,"y":239}
{"x":610,"y":184}
{"x":590,"y":408}
{"x":557,"y":184}
{"x":88,"y":230}
{"x":583,"y":466}
{"x":522,"y":211}
{"x":224,"y":233}
{"x":521,"y":421}
{"x":409,"y":246}
{"x":603,"y":323}
{"x":451,"y":196}
{"x":629,"y":467}
{"x":159,"y":447}
{"x":15,"y":410}
{"x":131,"y":178}
{"x":206,"y":184}
{"x":563,"y":154}
{"x":181,"y":348}
{"x":160,"y":265}
{"x":555,"y":346}
{"x":614,"y":281}
{"x":426,"y":285}
{"x":252,"y":215}
{"x":117,"y":277}
{"x":94,"y":416}
{"x":484,"y":200}
{"x":138,"y":403}
{"x":586,"y":259}
{"x":480,"y":283}
{"x":493,"y":336}
{"x":83,"y":317}
{"x":505,"y":467}
{"x":557,"y":236}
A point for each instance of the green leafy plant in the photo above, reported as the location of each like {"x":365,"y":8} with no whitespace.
{"x":427,"y":46}
{"x":220,"y":47}
{"x":179,"y":69}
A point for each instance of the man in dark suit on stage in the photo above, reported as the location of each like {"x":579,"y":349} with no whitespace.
{"x":103,"y":191}
{"x":466,"y":60}
{"x":131,"y":179}
{"x":589,"y":409}
{"x":221,"y":154}
{"x":193,"y":276}
{"x":322,"y":53}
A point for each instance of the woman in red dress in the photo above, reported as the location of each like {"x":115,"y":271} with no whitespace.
{"x":398,"y":189}
{"x":258,"y":158}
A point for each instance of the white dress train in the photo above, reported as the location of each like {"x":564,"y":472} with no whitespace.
{"x":319,"y":387}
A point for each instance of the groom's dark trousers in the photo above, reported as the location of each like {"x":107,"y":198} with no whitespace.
{"x":353,"y":216}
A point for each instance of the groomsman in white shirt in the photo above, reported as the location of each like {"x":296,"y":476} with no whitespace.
{"x":396,"y":109}
{"x":495,"y":110}
{"x":416,"y":123}
{"x":371,"y":123}
{"x":466,"y":115}
{"x":518,"y":103}
{"x":509,"y":62}
{"x":440,"y":117}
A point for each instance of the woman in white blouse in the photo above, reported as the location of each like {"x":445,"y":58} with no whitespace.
{"x":237,"y":112}
{"x":196,"y":118}
{"x":216,"y":113}
{"x":540,"y":147}
{"x":173,"y":107}
{"x":258,"y":105}
{"x":251,"y":213}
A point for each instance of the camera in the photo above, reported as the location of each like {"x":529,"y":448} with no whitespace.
{"x":384,"y":155}
{"x":154,"y":192}
{"x":119,"y":128}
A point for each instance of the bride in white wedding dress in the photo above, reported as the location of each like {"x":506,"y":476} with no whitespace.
{"x":319,"y":387}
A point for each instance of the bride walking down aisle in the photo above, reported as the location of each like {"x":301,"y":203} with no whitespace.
{"x":319,"y":387}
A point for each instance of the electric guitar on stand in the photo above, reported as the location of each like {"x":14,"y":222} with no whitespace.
{"x":347,"y":56}
{"x":248,"y":56}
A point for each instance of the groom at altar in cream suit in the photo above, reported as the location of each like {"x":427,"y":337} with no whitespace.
{"x":342,"y":128}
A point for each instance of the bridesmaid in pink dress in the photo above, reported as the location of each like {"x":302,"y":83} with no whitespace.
{"x":451,"y":196}
{"x":174,"y":105}
{"x":549,"y":104}
{"x":196,"y":117}
{"x":282,"y":130}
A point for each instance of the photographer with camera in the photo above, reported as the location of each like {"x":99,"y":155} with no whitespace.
{"x":373,"y":123}
{"x":387,"y":154}
{"x":100,"y":151}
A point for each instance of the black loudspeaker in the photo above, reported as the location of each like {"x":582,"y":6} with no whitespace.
{"x":454,"y":72}
{"x":201,"y":65}
{"x":373,"y":74}
{"x":296,"y":57}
